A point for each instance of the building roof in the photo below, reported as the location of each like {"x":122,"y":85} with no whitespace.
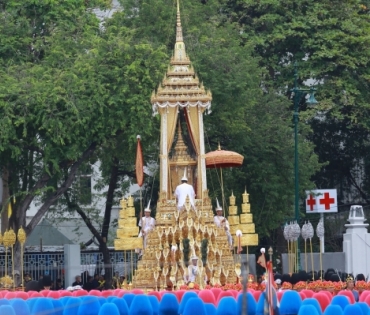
{"x":49,"y":235}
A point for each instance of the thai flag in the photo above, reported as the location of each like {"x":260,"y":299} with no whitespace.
{"x":271,"y":300}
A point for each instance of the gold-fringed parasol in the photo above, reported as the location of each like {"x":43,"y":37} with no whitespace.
{"x":221,"y":159}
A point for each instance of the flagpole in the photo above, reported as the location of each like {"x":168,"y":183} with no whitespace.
{"x":141,"y":214}
{"x":222,"y":191}
{"x":139,"y":170}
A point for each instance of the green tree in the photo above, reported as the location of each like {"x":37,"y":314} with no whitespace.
{"x":76,"y":90}
{"x":329,"y":39}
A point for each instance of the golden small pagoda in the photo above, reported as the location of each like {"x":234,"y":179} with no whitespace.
{"x":242,"y":222}
{"x":181,"y":100}
{"x":127,"y":230}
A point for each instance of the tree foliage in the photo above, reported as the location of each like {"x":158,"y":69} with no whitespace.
{"x":329,"y":39}
{"x":72,"y":89}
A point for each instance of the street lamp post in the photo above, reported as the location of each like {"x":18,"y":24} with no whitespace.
{"x":297,"y":96}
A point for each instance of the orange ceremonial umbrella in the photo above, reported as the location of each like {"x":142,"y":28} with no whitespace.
{"x":221,"y":158}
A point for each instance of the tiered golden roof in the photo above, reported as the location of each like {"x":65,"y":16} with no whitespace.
{"x":180,"y":85}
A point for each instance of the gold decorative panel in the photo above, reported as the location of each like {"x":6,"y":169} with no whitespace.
{"x":248,"y":240}
{"x":233,"y":210}
{"x":127,"y":213}
{"x":128,"y":231}
{"x":233,"y":220}
{"x":127,"y":222}
{"x":246,"y":207}
{"x":247,"y":228}
{"x":246,"y":218}
{"x":128,"y":243}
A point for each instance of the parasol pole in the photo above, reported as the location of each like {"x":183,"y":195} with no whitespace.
{"x":291,"y":256}
{"x":312,"y":257}
{"x":310,"y":234}
{"x":288,"y":256}
{"x":222,"y":193}
{"x":305,"y":253}
{"x":141,"y":216}
{"x":132,"y":266}
{"x":320,"y":232}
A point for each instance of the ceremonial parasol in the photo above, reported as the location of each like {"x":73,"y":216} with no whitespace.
{"x":221,"y":159}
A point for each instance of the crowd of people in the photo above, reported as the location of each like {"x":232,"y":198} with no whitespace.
{"x":330,"y":280}
{"x":84,"y":281}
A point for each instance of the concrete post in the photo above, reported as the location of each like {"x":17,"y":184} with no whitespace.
{"x":72,"y":263}
{"x":356,"y":243}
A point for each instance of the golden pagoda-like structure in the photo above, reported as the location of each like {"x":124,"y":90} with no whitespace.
{"x":181,"y":100}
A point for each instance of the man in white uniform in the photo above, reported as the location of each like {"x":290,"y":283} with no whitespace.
{"x":147,"y":223}
{"x":222,"y":222}
{"x":182,"y":191}
{"x":193,"y":269}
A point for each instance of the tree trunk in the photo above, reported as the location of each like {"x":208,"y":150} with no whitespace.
{"x":5,"y":197}
{"x":107,"y":266}
{"x":106,"y":223}
{"x":17,"y":260}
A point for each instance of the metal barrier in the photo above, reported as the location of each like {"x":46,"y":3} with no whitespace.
{"x":122,"y":262}
{"x":52,"y":263}
{"x":37,"y":264}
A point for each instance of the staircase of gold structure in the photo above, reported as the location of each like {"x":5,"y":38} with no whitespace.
{"x":159,"y":264}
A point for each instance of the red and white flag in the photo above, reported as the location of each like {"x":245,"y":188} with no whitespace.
{"x":271,"y":301}
{"x":139,"y":164}
{"x":321,"y":201}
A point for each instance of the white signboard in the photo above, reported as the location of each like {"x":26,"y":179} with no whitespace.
{"x":321,"y":201}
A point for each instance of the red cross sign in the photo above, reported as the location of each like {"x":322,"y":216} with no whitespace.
{"x":311,"y":202}
{"x":321,"y":201}
{"x":327,"y":201}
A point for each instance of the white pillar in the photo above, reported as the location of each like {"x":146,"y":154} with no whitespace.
{"x":202,"y":151}
{"x":72,"y":263}
{"x":163,"y":156}
{"x":322,"y":247}
{"x":356,"y":244}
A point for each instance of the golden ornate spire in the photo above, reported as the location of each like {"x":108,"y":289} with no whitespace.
{"x":180,"y":54}
{"x":180,"y":85}
{"x":181,"y":149}
{"x":179,"y":37}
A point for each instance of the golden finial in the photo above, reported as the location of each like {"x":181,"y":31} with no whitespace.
{"x":245,"y":196}
{"x":232,"y":199}
{"x":179,"y":53}
{"x":21,"y":236}
{"x":219,"y":146}
{"x":12,"y":237}
{"x":179,"y":37}
{"x":130,"y":201}
{"x":123,"y":203}
{"x":6,"y":239}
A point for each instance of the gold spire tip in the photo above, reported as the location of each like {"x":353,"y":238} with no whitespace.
{"x":219,"y":146}
{"x":179,"y":37}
